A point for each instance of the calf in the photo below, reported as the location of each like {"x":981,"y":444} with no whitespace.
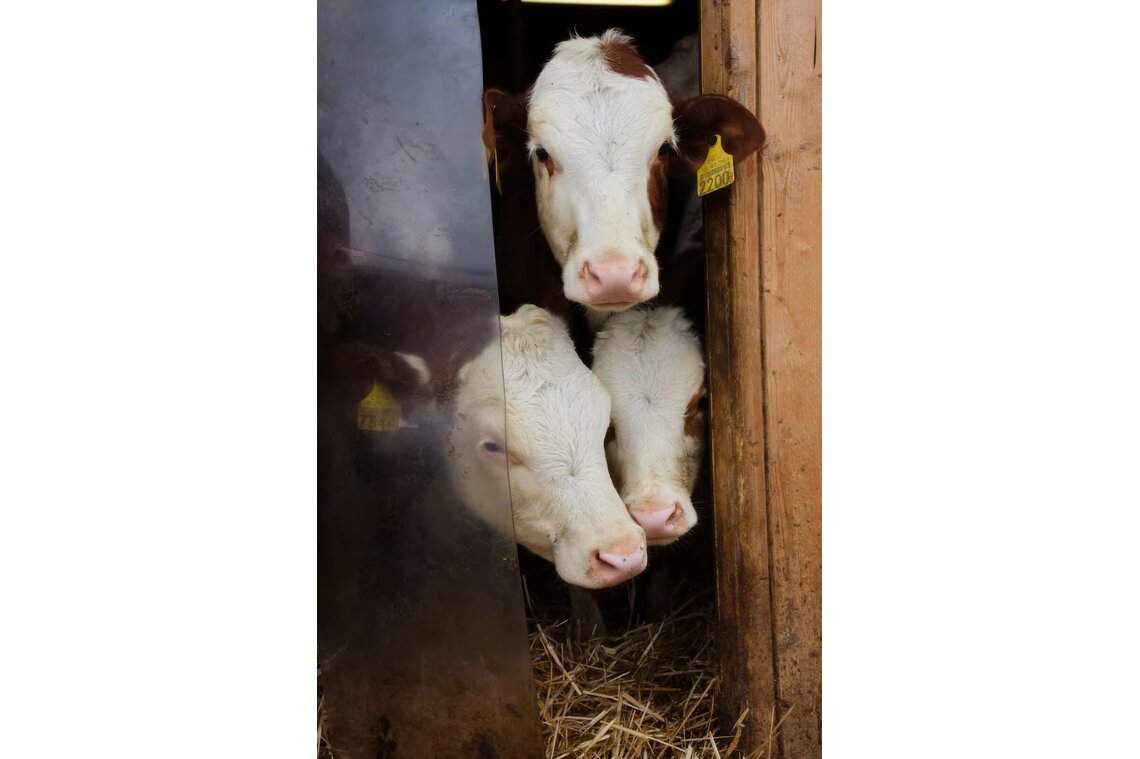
{"x":651,"y":363}
{"x":601,"y":135}
{"x":551,"y":441}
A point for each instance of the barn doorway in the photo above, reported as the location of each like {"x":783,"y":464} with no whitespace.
{"x":658,"y":629}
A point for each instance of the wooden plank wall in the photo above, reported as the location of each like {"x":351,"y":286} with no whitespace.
{"x":790,"y":110}
{"x":764,"y":267}
{"x":736,"y":423}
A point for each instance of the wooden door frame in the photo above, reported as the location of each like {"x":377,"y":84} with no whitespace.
{"x":764,"y":286}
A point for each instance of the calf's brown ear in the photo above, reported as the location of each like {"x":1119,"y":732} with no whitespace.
{"x":504,"y":129}
{"x":699,"y":118}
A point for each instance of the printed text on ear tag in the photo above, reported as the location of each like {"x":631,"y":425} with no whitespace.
{"x":716,"y":172}
{"x":378,"y":411}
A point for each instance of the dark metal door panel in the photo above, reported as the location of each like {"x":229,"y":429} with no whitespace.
{"x":422,"y":635}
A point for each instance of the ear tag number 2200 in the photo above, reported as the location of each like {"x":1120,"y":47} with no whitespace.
{"x":716,"y":173}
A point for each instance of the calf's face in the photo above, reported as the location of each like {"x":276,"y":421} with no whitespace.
{"x":600,"y":132}
{"x":599,"y":135}
{"x":550,"y":437}
{"x":651,"y":363}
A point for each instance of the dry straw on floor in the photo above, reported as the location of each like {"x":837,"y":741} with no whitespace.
{"x":648,"y":693}
{"x":324,"y":750}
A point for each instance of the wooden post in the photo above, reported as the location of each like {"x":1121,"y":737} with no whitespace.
{"x":763,"y":259}
{"x":732,"y":237}
{"x":790,"y":111}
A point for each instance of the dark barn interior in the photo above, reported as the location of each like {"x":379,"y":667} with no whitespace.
{"x":518,"y":37}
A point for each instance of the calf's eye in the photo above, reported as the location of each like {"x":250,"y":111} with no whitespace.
{"x":541,"y":154}
{"x":492,"y":447}
{"x":664,"y":149}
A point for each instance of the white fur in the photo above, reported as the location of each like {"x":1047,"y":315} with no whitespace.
{"x":603,"y":131}
{"x":554,"y":426}
{"x":652,"y":364}
{"x":418,"y":365}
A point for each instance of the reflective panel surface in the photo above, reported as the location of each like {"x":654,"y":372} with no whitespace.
{"x":422,"y":637}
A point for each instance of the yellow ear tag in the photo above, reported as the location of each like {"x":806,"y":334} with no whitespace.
{"x":378,"y":411}
{"x":716,"y":173}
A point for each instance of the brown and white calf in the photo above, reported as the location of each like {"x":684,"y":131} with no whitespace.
{"x":652,"y":364}
{"x":601,"y":135}
{"x":546,"y":448}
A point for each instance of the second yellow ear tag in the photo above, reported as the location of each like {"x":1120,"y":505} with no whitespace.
{"x":378,"y":411}
{"x":716,"y":173}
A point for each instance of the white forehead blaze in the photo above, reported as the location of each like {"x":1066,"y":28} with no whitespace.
{"x":557,"y":410}
{"x":594,"y":116}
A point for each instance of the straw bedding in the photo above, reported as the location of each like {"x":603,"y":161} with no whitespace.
{"x":647,"y":693}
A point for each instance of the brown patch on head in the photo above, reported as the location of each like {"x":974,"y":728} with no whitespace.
{"x":696,"y":413}
{"x":622,"y":59}
{"x":504,"y":133}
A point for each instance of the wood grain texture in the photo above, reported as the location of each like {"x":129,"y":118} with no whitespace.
{"x":732,"y":236}
{"x":789,"y":70}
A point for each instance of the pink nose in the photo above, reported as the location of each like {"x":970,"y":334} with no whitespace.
{"x":660,"y":520}
{"x":618,"y":561}
{"x":614,"y":281}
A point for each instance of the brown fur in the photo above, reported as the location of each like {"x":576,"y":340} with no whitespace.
{"x":624,"y":60}
{"x":504,"y":133}
{"x":695,"y":415}
{"x":699,"y":118}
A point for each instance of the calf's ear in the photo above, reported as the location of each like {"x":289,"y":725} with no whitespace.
{"x":504,"y":130}
{"x":699,"y":118}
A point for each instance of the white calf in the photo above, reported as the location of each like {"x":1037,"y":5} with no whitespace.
{"x":652,"y":364}
{"x":551,"y":439}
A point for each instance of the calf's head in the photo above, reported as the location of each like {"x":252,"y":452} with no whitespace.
{"x":551,"y":440}
{"x":651,"y":363}
{"x":599,"y":132}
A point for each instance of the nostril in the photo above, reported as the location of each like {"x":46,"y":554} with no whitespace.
{"x":618,"y":560}
{"x":589,"y":275}
{"x":610,"y":560}
{"x":640,"y":275}
{"x":661,"y":520}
